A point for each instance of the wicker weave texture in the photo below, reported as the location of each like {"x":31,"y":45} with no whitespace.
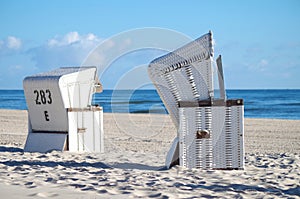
{"x":223,"y":148}
{"x":185,"y":74}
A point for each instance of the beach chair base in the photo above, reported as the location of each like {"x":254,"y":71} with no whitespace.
{"x":85,"y":133}
{"x":211,"y":134}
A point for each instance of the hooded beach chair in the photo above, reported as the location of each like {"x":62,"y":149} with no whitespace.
{"x":210,"y":128}
{"x":60,"y":111}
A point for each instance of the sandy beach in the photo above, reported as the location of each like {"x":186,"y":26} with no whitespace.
{"x":133,"y":163}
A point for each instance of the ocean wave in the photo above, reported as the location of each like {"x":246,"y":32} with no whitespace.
{"x":155,"y":111}
{"x":289,"y":104}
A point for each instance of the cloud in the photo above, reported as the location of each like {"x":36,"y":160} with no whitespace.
{"x":13,"y":43}
{"x":73,"y":38}
{"x":263,"y":63}
{"x":258,"y":66}
{"x":10,"y":44}
{"x":69,"y":38}
{"x":67,"y":50}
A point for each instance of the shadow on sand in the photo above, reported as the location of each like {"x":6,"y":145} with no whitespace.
{"x":137,"y":166}
{"x":72,"y":163}
{"x":10,"y":149}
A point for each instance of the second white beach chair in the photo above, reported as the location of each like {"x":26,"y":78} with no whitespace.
{"x":210,"y":127}
{"x":60,"y":112}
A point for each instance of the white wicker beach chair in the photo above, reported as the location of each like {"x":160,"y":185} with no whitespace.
{"x":210,"y":129}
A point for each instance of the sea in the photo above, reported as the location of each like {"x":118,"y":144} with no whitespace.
{"x":276,"y":104}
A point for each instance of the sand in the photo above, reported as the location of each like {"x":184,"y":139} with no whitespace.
{"x":133,"y":163}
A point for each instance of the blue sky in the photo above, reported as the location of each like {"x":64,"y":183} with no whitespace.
{"x":259,"y":39}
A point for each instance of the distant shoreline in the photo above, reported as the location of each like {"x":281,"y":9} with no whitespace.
{"x":273,"y":104}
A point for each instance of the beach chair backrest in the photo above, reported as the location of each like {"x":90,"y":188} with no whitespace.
{"x":184,"y":74}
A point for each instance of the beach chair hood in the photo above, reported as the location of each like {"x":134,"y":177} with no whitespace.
{"x":184,"y":74}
